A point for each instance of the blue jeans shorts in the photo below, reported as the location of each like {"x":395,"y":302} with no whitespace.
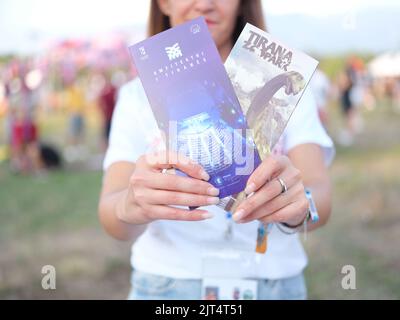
{"x":153,"y":287}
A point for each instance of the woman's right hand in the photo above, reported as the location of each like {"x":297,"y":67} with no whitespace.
{"x":151,"y":193}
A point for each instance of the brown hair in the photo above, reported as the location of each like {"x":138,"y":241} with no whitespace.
{"x":250,"y":11}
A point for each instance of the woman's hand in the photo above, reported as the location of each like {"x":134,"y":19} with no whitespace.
{"x":151,"y":193}
{"x":269,"y":203}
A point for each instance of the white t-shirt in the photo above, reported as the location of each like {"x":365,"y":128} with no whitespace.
{"x":320,"y":86}
{"x":174,"y":248}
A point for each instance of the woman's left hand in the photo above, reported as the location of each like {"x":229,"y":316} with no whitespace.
{"x":270,"y":203}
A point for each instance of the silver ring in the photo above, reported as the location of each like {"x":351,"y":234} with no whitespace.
{"x":283,"y":185}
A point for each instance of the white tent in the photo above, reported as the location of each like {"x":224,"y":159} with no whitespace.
{"x":385,"y":65}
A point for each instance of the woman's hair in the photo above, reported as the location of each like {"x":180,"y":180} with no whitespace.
{"x":249,"y":11}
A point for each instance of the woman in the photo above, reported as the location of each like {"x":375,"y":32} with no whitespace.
{"x":138,"y":202}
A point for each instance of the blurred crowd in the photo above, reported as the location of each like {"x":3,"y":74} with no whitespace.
{"x":81,"y":78}
{"x":77,"y":79}
{"x":356,"y":87}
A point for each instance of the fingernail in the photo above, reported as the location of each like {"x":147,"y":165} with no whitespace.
{"x":239,"y":215}
{"x":207,"y":215}
{"x":250,"y":195}
{"x":213,"y":200}
{"x":204,"y":175}
{"x":250,"y":188}
{"x":213,"y":191}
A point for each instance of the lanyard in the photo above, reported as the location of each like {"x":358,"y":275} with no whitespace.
{"x":262,"y":231}
{"x":262,"y":237}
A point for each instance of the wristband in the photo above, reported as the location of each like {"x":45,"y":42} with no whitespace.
{"x":312,"y":215}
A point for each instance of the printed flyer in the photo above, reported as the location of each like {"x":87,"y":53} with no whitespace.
{"x":195,"y":105}
{"x":269,"y":80}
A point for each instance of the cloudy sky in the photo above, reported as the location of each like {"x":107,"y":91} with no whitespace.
{"x":22,"y":22}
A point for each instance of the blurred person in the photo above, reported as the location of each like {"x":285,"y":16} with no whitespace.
{"x":24,"y":137}
{"x":396,"y":95}
{"x":3,"y":97}
{"x":392,"y":91}
{"x":8,"y":110}
{"x":355,"y":96}
{"x":5,"y":102}
{"x":106,"y":100}
{"x":321,"y":87}
{"x":138,"y":202}
{"x":358,"y":77}
{"x":17,"y":141}
{"x":347,"y":101}
{"x":22,"y":122}
{"x":75,"y":103}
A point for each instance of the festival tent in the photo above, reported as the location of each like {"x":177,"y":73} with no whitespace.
{"x":386,"y":65}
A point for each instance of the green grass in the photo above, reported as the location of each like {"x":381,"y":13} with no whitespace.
{"x":59,"y":200}
{"x":365,"y":225}
{"x":52,"y":219}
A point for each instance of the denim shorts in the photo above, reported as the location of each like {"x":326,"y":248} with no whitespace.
{"x":153,"y":287}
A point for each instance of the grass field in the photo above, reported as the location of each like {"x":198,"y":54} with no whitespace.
{"x":52,"y":219}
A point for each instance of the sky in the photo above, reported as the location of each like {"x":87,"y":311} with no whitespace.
{"x":23,"y":22}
